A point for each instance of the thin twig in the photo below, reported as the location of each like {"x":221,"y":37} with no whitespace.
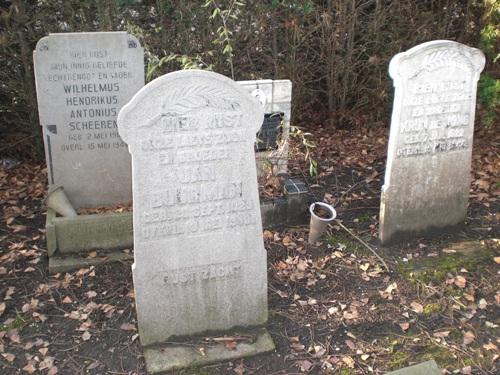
{"x":363,"y":243}
{"x":16,"y":143}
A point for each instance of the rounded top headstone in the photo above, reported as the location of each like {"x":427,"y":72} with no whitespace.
{"x":431,"y":56}
{"x":187,"y":92}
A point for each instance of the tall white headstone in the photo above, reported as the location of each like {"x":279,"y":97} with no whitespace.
{"x":427,"y":176}
{"x":83,"y":80}
{"x":200,"y":262}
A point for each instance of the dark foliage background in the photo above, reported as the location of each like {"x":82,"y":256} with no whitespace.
{"x":336,"y":52}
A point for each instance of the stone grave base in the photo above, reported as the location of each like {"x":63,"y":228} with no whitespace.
{"x":76,"y":261}
{"x":164,"y":358}
{"x":69,"y":239}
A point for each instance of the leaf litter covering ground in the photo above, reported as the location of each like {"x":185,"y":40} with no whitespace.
{"x":333,"y":309}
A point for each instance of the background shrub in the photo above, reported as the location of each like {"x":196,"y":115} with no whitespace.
{"x":336,"y":52}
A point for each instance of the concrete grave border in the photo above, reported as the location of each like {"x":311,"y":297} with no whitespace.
{"x":70,"y":238}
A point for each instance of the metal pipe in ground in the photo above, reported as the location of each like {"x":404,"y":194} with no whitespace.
{"x":322,"y":214}
{"x":59,"y":202}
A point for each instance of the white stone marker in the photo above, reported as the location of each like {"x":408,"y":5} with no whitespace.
{"x":275,"y":96}
{"x":430,"y":145}
{"x":200,"y":262}
{"x":83,"y":80}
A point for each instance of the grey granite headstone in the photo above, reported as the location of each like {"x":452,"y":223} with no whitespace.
{"x":83,"y":80}
{"x":200,"y":262}
{"x":427,"y":177}
{"x":425,"y":368}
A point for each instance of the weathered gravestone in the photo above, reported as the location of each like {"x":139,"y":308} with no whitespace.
{"x":200,"y":262}
{"x":430,"y":145}
{"x":82,"y":80}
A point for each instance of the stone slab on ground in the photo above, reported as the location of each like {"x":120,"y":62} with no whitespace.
{"x":427,"y":178}
{"x":65,"y":264}
{"x":162,"y":359}
{"x":425,"y":368}
{"x":82,"y":81}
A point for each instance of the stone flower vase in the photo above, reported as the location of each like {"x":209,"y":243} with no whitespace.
{"x":59,"y":202}
{"x":320,"y":221}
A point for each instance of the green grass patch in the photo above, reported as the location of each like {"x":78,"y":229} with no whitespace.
{"x":364,"y":218}
{"x":18,"y":323}
{"x":337,"y":239}
{"x":436,"y":269}
{"x":346,"y":371}
{"x":432,"y":308}
{"x":398,"y":360}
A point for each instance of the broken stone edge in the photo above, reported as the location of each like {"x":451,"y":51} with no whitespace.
{"x":162,"y":359}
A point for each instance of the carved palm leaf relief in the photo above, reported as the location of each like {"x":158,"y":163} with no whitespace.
{"x":194,"y":99}
{"x":442,"y":58}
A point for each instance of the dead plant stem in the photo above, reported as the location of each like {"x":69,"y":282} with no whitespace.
{"x":364,"y":244}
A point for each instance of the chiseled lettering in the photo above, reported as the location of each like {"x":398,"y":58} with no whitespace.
{"x":190,"y":275}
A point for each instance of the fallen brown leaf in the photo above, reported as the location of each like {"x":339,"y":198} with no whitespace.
{"x":469,"y":337}
{"x":67,"y":299}
{"x":9,"y":357}
{"x":306,"y":366}
{"x":404,"y":326}
{"x":417,"y":307}
{"x":128,"y":327}
{"x":91,"y":294}
{"x":441,"y":334}
{"x":460,"y":281}
{"x":350,"y":344}
{"x":348,"y":361}
{"x":29,"y":368}
{"x":490,"y":347}
{"x":13,"y":336}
